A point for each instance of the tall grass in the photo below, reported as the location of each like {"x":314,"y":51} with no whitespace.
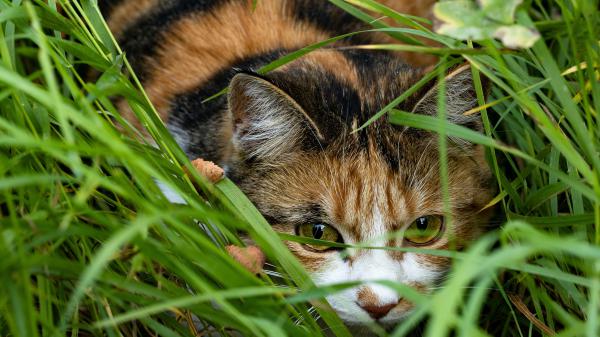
{"x":90,"y":246}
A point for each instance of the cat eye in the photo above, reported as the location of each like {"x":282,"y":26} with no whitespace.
{"x":425,"y":230}
{"x":319,"y":231}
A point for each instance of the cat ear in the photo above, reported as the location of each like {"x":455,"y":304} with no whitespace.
{"x":267,"y":122}
{"x":460,"y":98}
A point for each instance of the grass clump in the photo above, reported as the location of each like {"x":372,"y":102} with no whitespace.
{"x":91,"y":247}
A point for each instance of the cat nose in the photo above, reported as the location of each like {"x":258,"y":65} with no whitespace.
{"x":378,"y":311}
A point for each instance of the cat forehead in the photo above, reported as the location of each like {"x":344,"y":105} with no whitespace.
{"x":347,"y":188}
{"x":361,"y":189}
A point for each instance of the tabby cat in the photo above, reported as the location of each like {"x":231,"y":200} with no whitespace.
{"x":286,"y":137}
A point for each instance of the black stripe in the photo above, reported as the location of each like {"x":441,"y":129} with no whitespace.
{"x":106,"y":6}
{"x":366,"y":61}
{"x":331,"y":104}
{"x":141,"y":39}
{"x":189,"y":113}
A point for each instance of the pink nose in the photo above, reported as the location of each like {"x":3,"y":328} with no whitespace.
{"x":378,"y":311}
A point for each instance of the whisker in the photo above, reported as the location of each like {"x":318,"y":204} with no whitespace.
{"x":468,"y":287}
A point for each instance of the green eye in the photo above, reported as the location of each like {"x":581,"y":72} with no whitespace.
{"x":319,"y":231}
{"x":425,"y":230}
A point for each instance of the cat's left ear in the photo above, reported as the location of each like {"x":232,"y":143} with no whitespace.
{"x":460,"y":98}
{"x":267,"y":122}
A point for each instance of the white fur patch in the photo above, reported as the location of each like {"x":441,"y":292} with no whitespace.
{"x":180,"y":135}
{"x":374,"y":265}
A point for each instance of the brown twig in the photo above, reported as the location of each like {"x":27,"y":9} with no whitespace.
{"x":518,"y":303}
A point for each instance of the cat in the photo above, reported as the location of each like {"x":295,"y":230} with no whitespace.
{"x":286,"y":137}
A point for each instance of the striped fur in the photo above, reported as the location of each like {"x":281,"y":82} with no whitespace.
{"x":286,"y":136}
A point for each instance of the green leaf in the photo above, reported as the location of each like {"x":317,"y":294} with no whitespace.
{"x":463,"y":20}
{"x":502,"y":11}
{"x":516,"y":36}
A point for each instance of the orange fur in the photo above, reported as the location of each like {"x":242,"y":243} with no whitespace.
{"x":366,"y":296}
{"x":188,"y":58}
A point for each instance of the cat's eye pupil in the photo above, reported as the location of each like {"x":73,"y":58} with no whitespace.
{"x":422,"y":223}
{"x":317,"y":231}
{"x":425,"y":230}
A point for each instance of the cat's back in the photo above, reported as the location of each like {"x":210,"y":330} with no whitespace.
{"x":176,"y":45}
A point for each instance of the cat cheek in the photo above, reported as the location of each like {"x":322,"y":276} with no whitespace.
{"x":313,"y":262}
{"x":433,"y":262}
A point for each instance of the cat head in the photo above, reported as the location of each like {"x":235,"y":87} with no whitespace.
{"x":298,"y":157}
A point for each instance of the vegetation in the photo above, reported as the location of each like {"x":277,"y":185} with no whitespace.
{"x":89,"y":246}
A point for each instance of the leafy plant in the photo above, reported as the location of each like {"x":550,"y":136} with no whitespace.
{"x":463,"y":20}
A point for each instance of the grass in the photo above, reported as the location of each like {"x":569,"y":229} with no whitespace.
{"x":90,"y":247}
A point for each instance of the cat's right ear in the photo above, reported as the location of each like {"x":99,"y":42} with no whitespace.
{"x":460,"y":97}
{"x":267,"y":122}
